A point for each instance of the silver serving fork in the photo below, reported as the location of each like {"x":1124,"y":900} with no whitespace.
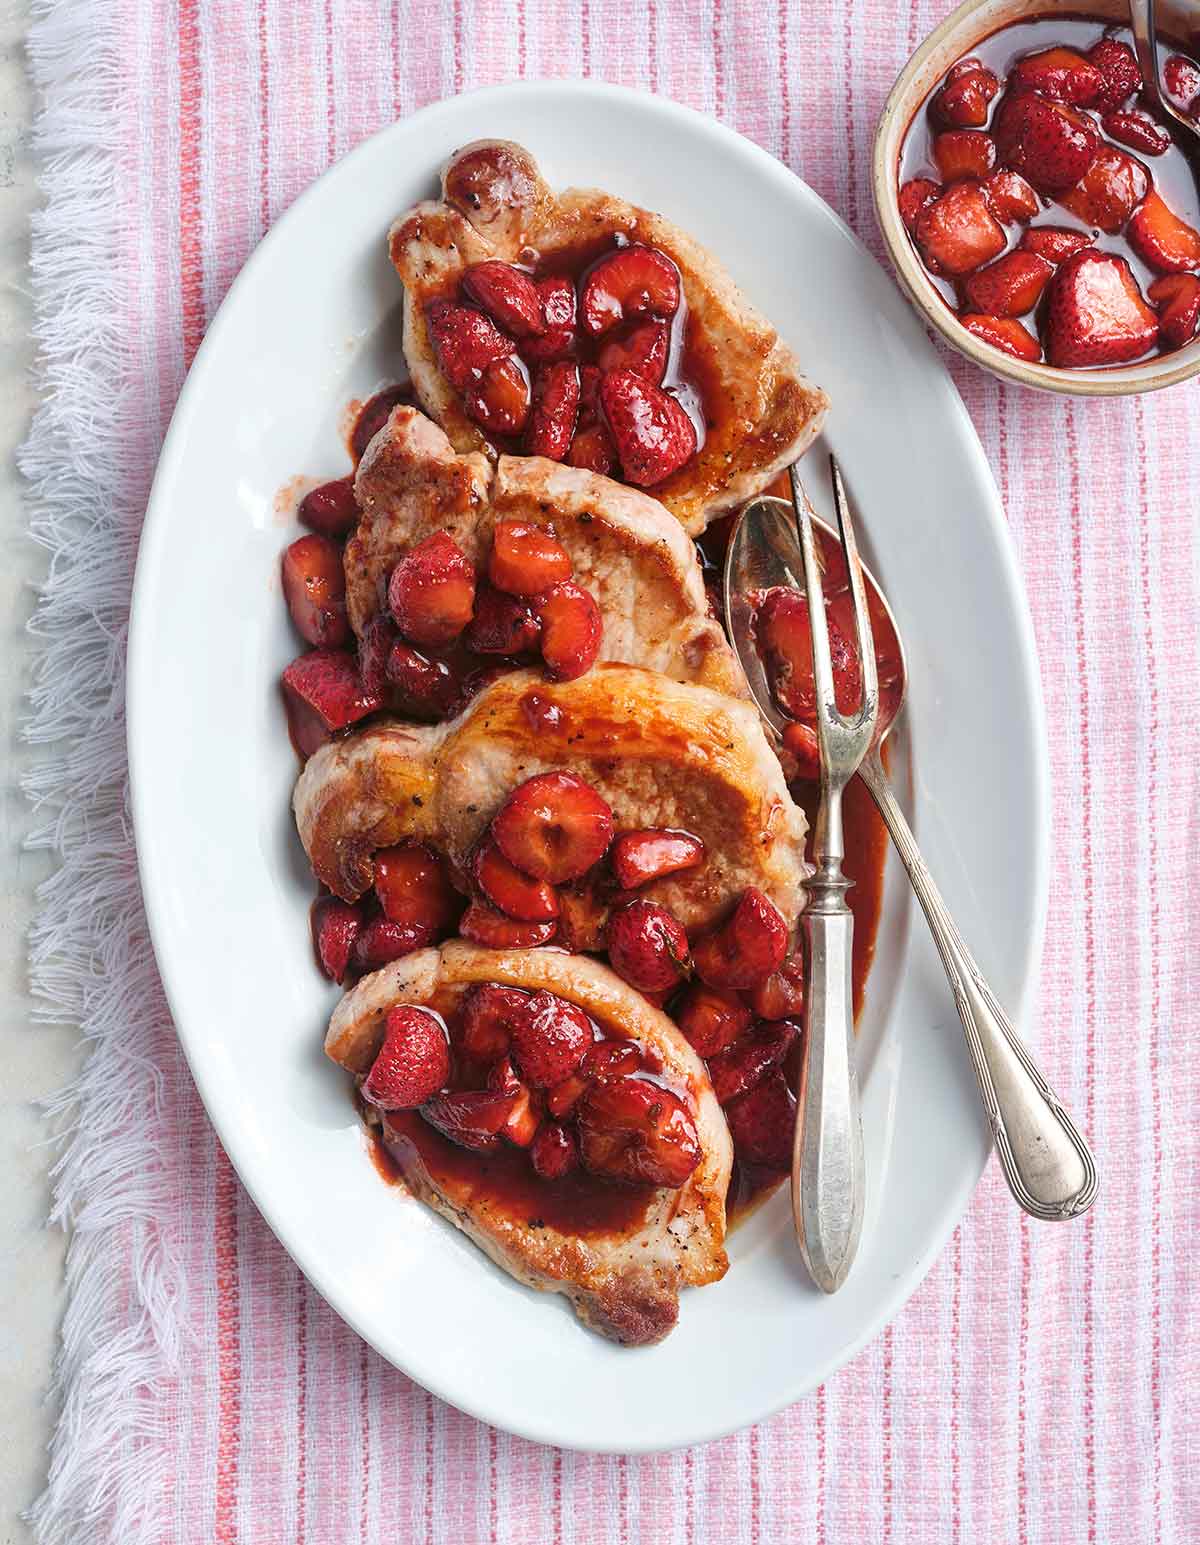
{"x":829,"y":1178}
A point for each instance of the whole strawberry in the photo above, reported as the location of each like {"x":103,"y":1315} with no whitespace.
{"x":1096,"y":314}
{"x":413,"y":1062}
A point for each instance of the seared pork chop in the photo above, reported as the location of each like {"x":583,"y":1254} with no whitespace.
{"x":760,"y":412}
{"x":623,"y":1280}
{"x":661,"y":753}
{"x":625,"y":549}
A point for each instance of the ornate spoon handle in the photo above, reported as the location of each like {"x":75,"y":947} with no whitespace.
{"x":1046,"y":1162}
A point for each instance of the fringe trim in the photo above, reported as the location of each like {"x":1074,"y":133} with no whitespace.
{"x":90,"y":958}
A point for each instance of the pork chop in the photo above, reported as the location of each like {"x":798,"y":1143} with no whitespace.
{"x":760,"y":412}
{"x":661,"y":753}
{"x":623,"y":1281}
{"x":625,"y":549}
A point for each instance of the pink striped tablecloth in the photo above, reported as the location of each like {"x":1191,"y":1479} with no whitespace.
{"x":1043,"y":1384}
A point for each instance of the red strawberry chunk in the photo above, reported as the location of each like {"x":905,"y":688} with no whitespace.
{"x":1050,"y":144}
{"x":1096,"y":314}
{"x":499,"y":400}
{"x":1181,"y":79}
{"x":647,"y":946}
{"x":555,"y":1152}
{"x":1010,"y":197}
{"x":1162,"y":239}
{"x":490,"y":1014}
{"x":413,"y":887}
{"x":521,"y":1127}
{"x":429,"y":687}
{"x":963,"y":101}
{"x":330,"y":509}
{"x":549,"y":1039}
{"x":785,"y":640}
{"x":634,"y":281}
{"x":554,"y":826}
{"x":593,"y":449}
{"x":914,"y":196}
{"x":314,"y":587}
{"x":502,"y":624}
{"x":306,"y":729}
{"x":413,"y":1062}
{"x":431,"y":591}
{"x":526,"y":559}
{"x":748,"y":1061}
{"x":762,"y":1124}
{"x":557,"y":296}
{"x":328,"y":681}
{"x":710,"y":1018}
{"x":379,"y":942}
{"x":482,"y":924}
{"x":374,"y":416}
{"x":513,"y":893}
{"x":1137,"y":130}
{"x":335,"y":926}
{"x":781,"y":995}
{"x":801,"y":743}
{"x":508,"y":296}
{"x":633,"y":1130}
{"x":465,"y":341}
{"x":374,"y":647}
{"x":472,"y":1118}
{"x":1004,"y":333}
{"x":964,"y":153}
{"x":652,"y":432}
{"x":610,"y":1057}
{"x":958,"y":231}
{"x":748,"y":947}
{"x":643,"y":348}
{"x":1010,"y":286}
{"x":554,"y":411}
{"x":1111,"y":189}
{"x":1060,"y":74}
{"x":1054,"y":243}
{"x":1119,"y":71}
{"x":572,"y":630}
{"x":641,"y":856}
{"x":1177,"y":297}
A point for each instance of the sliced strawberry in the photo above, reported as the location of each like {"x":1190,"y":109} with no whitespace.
{"x":513,"y":893}
{"x":593,"y":449}
{"x":374,"y":416}
{"x":634,"y":281}
{"x":429,"y":687}
{"x":653,"y":434}
{"x":335,"y":926}
{"x":641,"y":856}
{"x":431,"y":591}
{"x":610,"y":1057}
{"x":555,"y":1152}
{"x":1060,"y":74}
{"x":328,"y":681}
{"x":314,"y":587}
{"x":557,"y":296}
{"x":801,"y":743}
{"x":553,"y":827}
{"x":1137,"y":130}
{"x":549,"y":1039}
{"x":643,"y":348}
{"x":307,"y":730}
{"x":526,"y":559}
{"x":413,"y":1062}
{"x":413,"y":887}
{"x":1096,"y":314}
{"x":1050,"y":144}
{"x":1010,"y":286}
{"x":913,"y":197}
{"x":472,"y":1119}
{"x":1177,"y":297}
{"x":330,"y":509}
{"x":482,"y":924}
{"x":499,"y":400}
{"x":1004,"y":333}
{"x":374,"y":647}
{"x":964,"y":100}
{"x":1162,"y":239}
{"x":590,"y":377}
{"x":1181,"y":78}
{"x":785,"y":640}
{"x":562,"y":1099}
{"x":647,"y":946}
{"x":489,"y":1015}
{"x":781,"y":995}
{"x":763,"y":1123}
{"x":572,"y":630}
{"x":583,"y":915}
{"x":502,"y":624}
{"x":958,"y":231}
{"x":747,"y":948}
{"x":964,"y":153}
{"x":710,"y":1018}
{"x":636,"y":1131}
{"x":747,"y":1062}
{"x":555,"y":410}
{"x":1111,"y":189}
{"x":521,"y":1127}
{"x":464,"y":341}
{"x":379,"y":942}
{"x":1010,"y":197}
{"x":508,"y":296}
{"x":1120,"y":75}
{"x":1054,"y":243}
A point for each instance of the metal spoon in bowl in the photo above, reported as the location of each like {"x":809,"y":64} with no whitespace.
{"x":1145,"y":45}
{"x":1046,"y":1162}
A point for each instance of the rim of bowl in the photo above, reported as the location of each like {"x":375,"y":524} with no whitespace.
{"x":899,"y":110}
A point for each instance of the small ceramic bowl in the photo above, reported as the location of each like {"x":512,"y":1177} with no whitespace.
{"x":959,"y":34}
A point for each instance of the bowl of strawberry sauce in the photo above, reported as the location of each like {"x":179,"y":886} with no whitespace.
{"x":1037,"y":211}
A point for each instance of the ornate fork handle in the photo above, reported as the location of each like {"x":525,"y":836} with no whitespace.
{"x":1046,"y":1162}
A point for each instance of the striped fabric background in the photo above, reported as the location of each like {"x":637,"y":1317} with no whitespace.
{"x":1044,"y":1384}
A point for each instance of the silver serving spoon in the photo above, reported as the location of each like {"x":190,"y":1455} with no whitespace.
{"x":1145,"y":46}
{"x":1046,"y":1162}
